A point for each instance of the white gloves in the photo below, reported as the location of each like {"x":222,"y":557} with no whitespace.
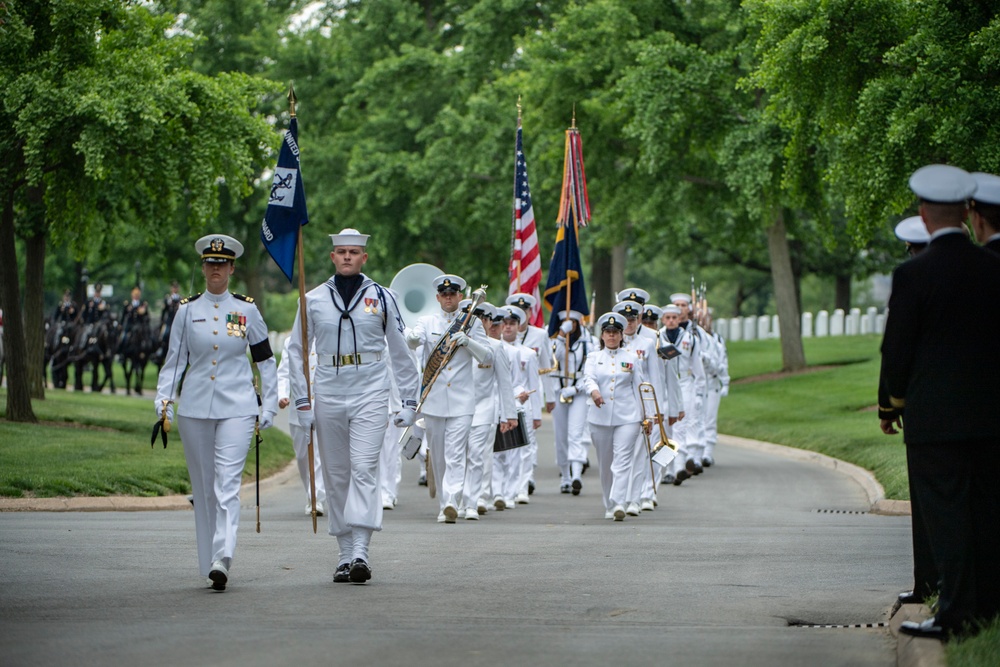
{"x":724,"y":391}
{"x":266,"y":420}
{"x":566,"y":326}
{"x":460,"y":338}
{"x":413,"y":339}
{"x":567,"y":392}
{"x":405,"y":417}
{"x":159,"y":411}
{"x":306,"y":418}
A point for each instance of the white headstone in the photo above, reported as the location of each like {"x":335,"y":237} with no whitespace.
{"x":749,"y":328}
{"x":837,"y":323}
{"x":807,"y":325}
{"x":722,"y":327}
{"x":762,"y":324}
{"x":822,"y":324}
{"x":879,"y":324}
{"x":736,"y":328}
{"x":775,"y":327}
{"x":852,"y":323}
{"x":871,"y":315}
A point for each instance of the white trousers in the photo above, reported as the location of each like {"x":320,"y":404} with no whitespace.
{"x":711,"y":421}
{"x":350,"y":429}
{"x":688,"y":430}
{"x":216,"y":453}
{"x":300,"y":443}
{"x":529,"y":458}
{"x":390,"y":464}
{"x":615,"y":446}
{"x":507,"y":474}
{"x":569,"y":420}
{"x":641,"y":474}
{"x":480,"y":451}
{"x":447,"y":439}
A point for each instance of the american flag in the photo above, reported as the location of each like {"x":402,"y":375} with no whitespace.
{"x":525,"y":271}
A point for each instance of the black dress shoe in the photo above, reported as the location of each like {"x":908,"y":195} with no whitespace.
{"x":577,"y":485}
{"x":909,"y":597}
{"x":531,"y":487}
{"x":564,"y":488}
{"x":586,"y":464}
{"x":343,"y":574}
{"x":422,"y":480}
{"x":698,"y":469}
{"x":360,"y":571}
{"x":928,"y":629}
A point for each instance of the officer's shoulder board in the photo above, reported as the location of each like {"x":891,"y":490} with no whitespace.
{"x":189,"y":299}
{"x":243,"y":297}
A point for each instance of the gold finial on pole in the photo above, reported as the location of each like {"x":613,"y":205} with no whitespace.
{"x":291,"y":101}
{"x":519,"y":108}
{"x":573,"y":125}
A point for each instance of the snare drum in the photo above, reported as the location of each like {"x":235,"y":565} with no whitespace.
{"x":512,"y":439}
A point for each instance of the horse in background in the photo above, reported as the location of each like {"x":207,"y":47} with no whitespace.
{"x":137,"y":346}
{"x":59,"y":337}
{"x":95,"y":346}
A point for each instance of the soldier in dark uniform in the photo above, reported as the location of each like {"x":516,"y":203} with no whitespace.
{"x":97,"y":308}
{"x":67,"y":310}
{"x":947,"y":390}
{"x":135,"y":314}
{"x":170,"y":303}
{"x":986,"y":210}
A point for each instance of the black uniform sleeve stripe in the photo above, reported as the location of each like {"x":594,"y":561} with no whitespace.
{"x":261,"y":351}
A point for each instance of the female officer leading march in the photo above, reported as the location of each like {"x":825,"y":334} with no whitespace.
{"x":218,"y":409}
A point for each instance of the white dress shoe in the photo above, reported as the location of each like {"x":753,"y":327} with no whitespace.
{"x":219,"y":575}
{"x":472,"y":514}
{"x":481,"y":508}
{"x":499,"y":503}
{"x":441,"y":518}
{"x":319,"y":509}
{"x":647,"y":505}
{"x":633,"y":509}
{"x":609,"y":515}
{"x":619,"y":513}
{"x":522,"y":499}
{"x":450,"y":514}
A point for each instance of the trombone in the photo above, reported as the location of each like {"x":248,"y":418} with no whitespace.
{"x":666,"y":449}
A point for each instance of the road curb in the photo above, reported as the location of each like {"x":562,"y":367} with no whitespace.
{"x":915,"y":651}
{"x":878,"y":503}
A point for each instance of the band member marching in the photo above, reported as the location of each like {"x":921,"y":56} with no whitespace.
{"x":354,"y":324}
{"x":218,"y":410}
{"x":569,"y":419}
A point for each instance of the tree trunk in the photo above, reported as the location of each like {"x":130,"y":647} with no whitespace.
{"x":600,"y":281}
{"x":843,"y":294}
{"x":18,"y":396}
{"x":792,"y":354}
{"x":34,"y":315}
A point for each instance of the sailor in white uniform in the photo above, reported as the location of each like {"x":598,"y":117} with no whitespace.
{"x":219,"y":406}
{"x":703,"y":345}
{"x":692,"y":379}
{"x":451,"y":401}
{"x":612,"y":376}
{"x":718,"y":386}
{"x":537,"y":339}
{"x":569,"y":419}
{"x":651,"y":316}
{"x":494,"y":406}
{"x":300,"y":436}
{"x":354,"y":323}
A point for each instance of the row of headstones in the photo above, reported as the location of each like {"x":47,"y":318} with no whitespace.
{"x":823,"y":324}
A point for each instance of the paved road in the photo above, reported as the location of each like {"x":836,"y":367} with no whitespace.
{"x":717,"y":575}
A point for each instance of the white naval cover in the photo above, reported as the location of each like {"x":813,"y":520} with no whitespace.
{"x":494,"y":393}
{"x":364,"y":333}
{"x":617,"y":375}
{"x":524,"y":377}
{"x":538,"y":340}
{"x":219,"y":379}
{"x":454,"y":391}
{"x":284,"y":386}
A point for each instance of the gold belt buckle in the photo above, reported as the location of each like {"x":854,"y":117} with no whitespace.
{"x":347,"y":360}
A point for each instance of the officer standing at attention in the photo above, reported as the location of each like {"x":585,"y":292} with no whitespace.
{"x":354,"y":325}
{"x":948,"y":392}
{"x":219,"y":406}
{"x":449,"y":406}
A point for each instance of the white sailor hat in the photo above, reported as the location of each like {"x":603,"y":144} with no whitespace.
{"x":611,"y":321}
{"x":449,"y":283}
{"x":512,"y":312}
{"x":680,"y":296}
{"x":521,"y":300}
{"x":483,"y":310}
{"x":651,"y":312}
{"x":573,"y":315}
{"x":912,"y":230}
{"x":349,"y":237}
{"x":630,"y":309}
{"x":640,"y":296}
{"x":942,"y":184}
{"x":671,"y":309}
{"x":216,"y":248}
{"x":987,"y":188}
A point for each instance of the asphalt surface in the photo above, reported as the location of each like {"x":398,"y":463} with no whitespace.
{"x":733,"y":567}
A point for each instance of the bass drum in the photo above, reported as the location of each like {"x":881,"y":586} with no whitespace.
{"x":512,"y":439}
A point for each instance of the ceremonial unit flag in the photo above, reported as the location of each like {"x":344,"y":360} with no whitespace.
{"x":525,"y":271}
{"x":286,"y":207}
{"x":565,"y":288}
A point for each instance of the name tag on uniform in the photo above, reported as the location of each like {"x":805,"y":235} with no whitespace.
{"x":201,"y":320}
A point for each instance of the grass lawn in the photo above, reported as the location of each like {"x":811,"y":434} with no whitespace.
{"x":827,"y":409}
{"x":98,"y":445}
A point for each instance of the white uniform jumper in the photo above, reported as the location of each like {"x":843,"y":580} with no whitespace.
{"x":494,"y":402}
{"x":449,"y":406}
{"x":351,"y":394}
{"x":692,"y":381}
{"x":218,"y":407}
{"x":569,"y":420}
{"x":300,"y":436}
{"x":718,"y":386}
{"x":508,"y":466}
{"x":537,"y":340}
{"x":615,"y":425}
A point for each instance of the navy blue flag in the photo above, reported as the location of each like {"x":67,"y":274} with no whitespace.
{"x":565,"y":274}
{"x":286,"y":208}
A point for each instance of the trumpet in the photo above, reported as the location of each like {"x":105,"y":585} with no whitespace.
{"x":666,"y":449}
